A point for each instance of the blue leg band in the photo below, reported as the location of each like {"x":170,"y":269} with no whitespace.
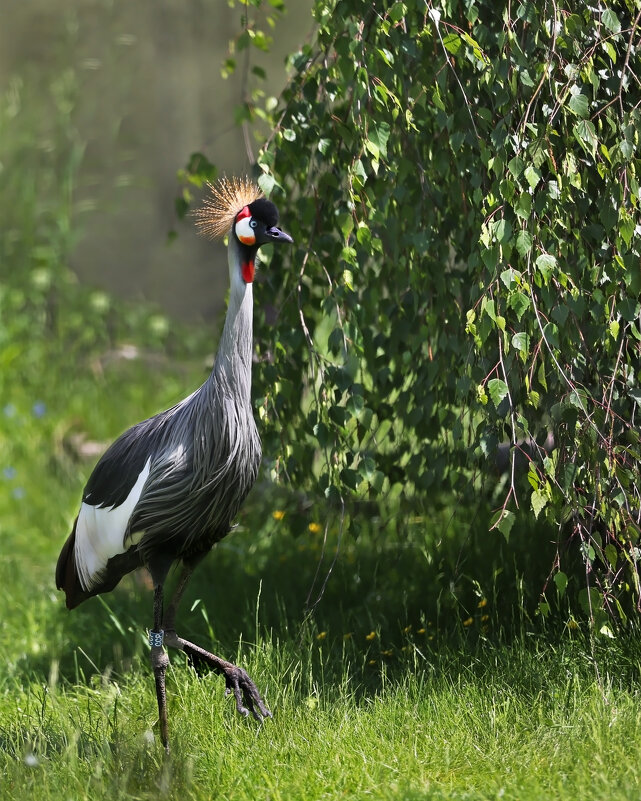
{"x":156,"y":638}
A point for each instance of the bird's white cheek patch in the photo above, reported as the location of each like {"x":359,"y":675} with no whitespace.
{"x":245,"y":232}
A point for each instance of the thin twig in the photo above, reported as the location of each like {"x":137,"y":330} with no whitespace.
{"x":435,"y":17}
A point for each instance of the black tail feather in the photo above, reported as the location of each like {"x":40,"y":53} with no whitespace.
{"x":67,"y":577}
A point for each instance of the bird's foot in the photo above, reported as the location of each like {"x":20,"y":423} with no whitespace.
{"x":237,"y":681}
{"x":248,"y":699}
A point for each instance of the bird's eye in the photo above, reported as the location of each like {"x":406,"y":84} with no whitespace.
{"x":253,"y":223}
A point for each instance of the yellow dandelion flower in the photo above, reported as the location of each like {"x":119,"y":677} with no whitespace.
{"x":482,"y":603}
{"x":371,"y":636}
{"x":388,"y":652}
{"x":372,"y":662}
{"x":431,"y":637}
{"x":347,"y":636}
{"x":278,"y":514}
{"x":572,"y":624}
{"x":421,"y":631}
{"x":315,"y":528}
{"x":484,"y":618}
{"x":468,"y":622}
{"x":407,"y":629}
{"x":321,"y":635}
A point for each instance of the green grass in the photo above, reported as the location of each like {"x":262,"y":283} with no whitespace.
{"x":527,"y":721}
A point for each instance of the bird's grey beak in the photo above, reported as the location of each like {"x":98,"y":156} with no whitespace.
{"x":274,"y":234}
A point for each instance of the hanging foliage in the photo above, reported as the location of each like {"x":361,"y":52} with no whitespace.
{"x":462,"y":320}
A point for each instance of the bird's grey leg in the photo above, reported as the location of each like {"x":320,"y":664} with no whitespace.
{"x":169,"y":618}
{"x":237,"y":681}
{"x":159,"y":662}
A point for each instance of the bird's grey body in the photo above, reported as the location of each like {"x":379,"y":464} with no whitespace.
{"x":170,"y":486}
{"x":201,"y":458}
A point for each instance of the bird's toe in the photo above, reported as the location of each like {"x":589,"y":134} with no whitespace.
{"x":248,"y":699}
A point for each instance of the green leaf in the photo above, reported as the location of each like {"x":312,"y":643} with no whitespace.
{"x":627,"y":225}
{"x":346,"y":224}
{"x":452,"y":42}
{"x":350,"y":477}
{"x":590,"y":599}
{"x":628,"y":308}
{"x":339,"y":414}
{"x":386,"y":55}
{"x":397,"y":12}
{"x":523,"y":243}
{"x":367,"y":467}
{"x":538,"y":151}
{"x":488,"y":306}
{"x":561,"y":581}
{"x":266,"y":182}
{"x":538,"y":500}
{"x":503,"y":231}
{"x":532,"y":175}
{"x":523,"y":207}
{"x":551,"y":334}
{"x":476,"y":47}
{"x":626,"y":148}
{"x":509,"y":278}
{"x":611,"y":555}
{"x":498,"y":390}
{"x":504,"y":521}
{"x":546,"y":264}
{"x":609,"y":49}
{"x":579,"y":105}
{"x":376,"y":480}
{"x":521,"y":342}
{"x":506,"y":188}
{"x":611,"y":21}
{"x":377,"y":138}
{"x":585,"y":134}
{"x":520,"y":302}
{"x":515,"y":166}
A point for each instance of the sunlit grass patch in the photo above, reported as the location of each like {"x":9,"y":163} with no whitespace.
{"x":497,"y":721}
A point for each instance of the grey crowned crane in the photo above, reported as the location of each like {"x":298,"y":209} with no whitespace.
{"x":170,"y":487}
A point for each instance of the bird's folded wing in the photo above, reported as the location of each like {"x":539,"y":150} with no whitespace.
{"x":101,"y":531}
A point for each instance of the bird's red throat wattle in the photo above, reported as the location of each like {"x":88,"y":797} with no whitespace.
{"x":247,"y":270}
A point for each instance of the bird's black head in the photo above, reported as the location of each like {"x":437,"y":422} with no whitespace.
{"x":264,"y":210}
{"x":257,"y":224}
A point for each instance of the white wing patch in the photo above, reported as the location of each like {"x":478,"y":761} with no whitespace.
{"x":100,"y":532}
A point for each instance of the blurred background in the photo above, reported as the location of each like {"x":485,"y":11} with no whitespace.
{"x":124,"y":93}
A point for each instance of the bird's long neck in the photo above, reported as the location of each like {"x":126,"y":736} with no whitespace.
{"x":234,"y":358}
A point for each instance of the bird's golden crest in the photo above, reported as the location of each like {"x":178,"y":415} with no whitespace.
{"x":227,"y":197}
